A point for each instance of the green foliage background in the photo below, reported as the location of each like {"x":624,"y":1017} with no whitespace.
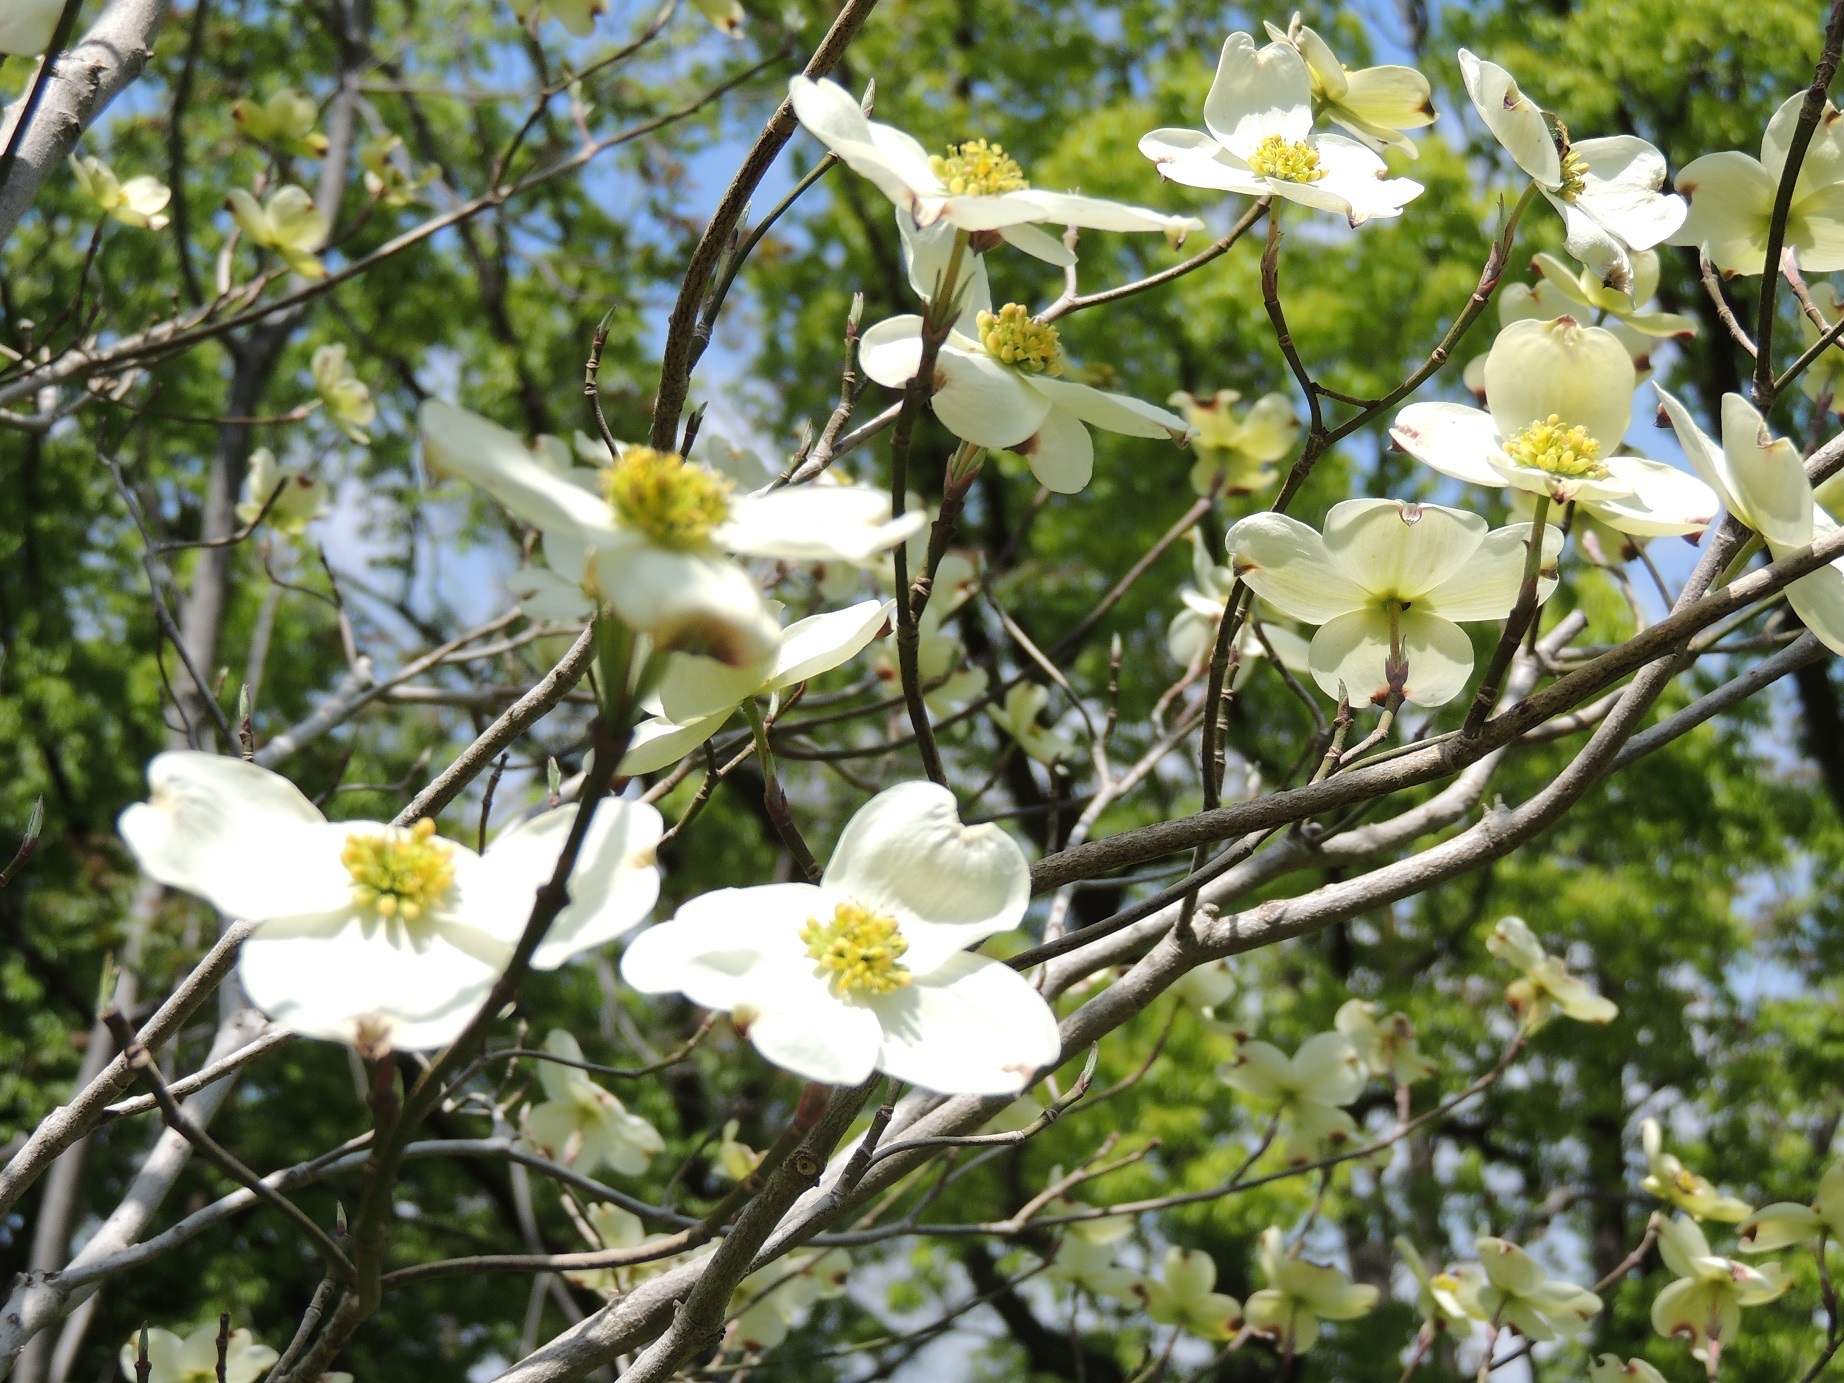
{"x":1697,"y":888}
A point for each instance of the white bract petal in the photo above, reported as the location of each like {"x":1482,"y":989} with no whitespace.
{"x":287,"y":498}
{"x":1522,"y":1294}
{"x":696,"y":694}
{"x":1452,"y":438}
{"x":463,"y":444}
{"x":1516,"y":121}
{"x":1403,"y":551}
{"x":239,"y":836}
{"x":26,"y":26}
{"x":612,"y":888}
{"x":1351,"y":657}
{"x":1258,"y":94}
{"x":1061,"y":453}
{"x":1285,"y":562}
{"x":970,"y":1025}
{"x":1195,"y":159}
{"x":816,"y":523}
{"x":657,"y":742}
{"x":1000,"y":391}
{"x":1021,"y":717}
{"x":1580,"y":374}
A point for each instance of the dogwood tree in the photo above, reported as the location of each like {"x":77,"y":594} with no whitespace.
{"x":665,"y":720}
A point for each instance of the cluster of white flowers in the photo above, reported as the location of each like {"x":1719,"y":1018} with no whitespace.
{"x":388,"y":936}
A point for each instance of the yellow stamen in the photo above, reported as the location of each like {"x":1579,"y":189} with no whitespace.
{"x":979,"y":168}
{"x":674,"y":502}
{"x":1011,"y":335}
{"x":1574,"y":170}
{"x":399,"y":874}
{"x":1287,"y":159}
{"x":861,"y":949}
{"x":1569,"y":452}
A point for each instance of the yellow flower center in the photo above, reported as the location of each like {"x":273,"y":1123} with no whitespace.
{"x":674,"y":502}
{"x":862,"y":949}
{"x":1574,"y":167}
{"x":979,"y":168}
{"x":1011,"y":335}
{"x":1290,"y":160}
{"x":1568,"y":452}
{"x":399,"y":874}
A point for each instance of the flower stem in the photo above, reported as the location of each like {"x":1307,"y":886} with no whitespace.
{"x":775,"y":799}
{"x":935,"y":328}
{"x":1523,"y":614}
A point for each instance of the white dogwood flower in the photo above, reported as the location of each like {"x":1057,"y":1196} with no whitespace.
{"x":1562,"y":290}
{"x":1704,"y":1304}
{"x":698,"y":695}
{"x":1623,"y":307}
{"x":1087,"y":1264}
{"x":376,"y":935}
{"x":1258,"y":139}
{"x":1020,"y":716}
{"x":772,"y":1300}
{"x":1236,"y":455}
{"x":1518,"y":1292}
{"x":1762,"y":481}
{"x":286,"y":121}
{"x":1441,"y":1298}
{"x":1184,"y":1295}
{"x":975,"y":186}
{"x":1389,"y":585}
{"x":1545,"y":987}
{"x":1786,"y":1223}
{"x":289,"y":223}
{"x":1731,"y":196}
{"x":577,"y":16}
{"x":1386,"y":1045}
{"x":298,"y":500}
{"x":947,"y":686}
{"x":1605,"y":190}
{"x":1670,"y":1180}
{"x":1307,"y":1090}
{"x":194,"y":1359}
{"x":1206,"y":987}
{"x":1192,"y":635}
{"x":1001,"y":391}
{"x":346,"y":397}
{"x":1300,"y":1295}
{"x":866,"y":970}
{"x":139,"y":202}
{"x":583,"y":1125}
{"x":725,"y":16}
{"x":648,"y":534}
{"x":1610,"y":1368}
{"x":1374,"y":103}
{"x":1559,"y":397}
